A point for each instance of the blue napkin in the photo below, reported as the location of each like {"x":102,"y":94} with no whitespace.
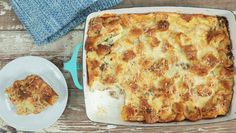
{"x":47,"y":20}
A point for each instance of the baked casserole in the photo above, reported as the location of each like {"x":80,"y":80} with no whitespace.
{"x":170,"y":66}
{"x":31,"y":95}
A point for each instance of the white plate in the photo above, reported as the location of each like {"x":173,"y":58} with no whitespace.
{"x":19,"y":69}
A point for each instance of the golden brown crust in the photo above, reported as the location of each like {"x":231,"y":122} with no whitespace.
{"x":136,"y":32}
{"x":170,"y":66}
{"x":186,"y":17}
{"x":159,"y":67}
{"x":163,"y":25}
{"x":128,"y":55}
{"x":178,"y":109}
{"x":203,"y":90}
{"x":210,"y":60}
{"x":190,"y":51}
{"x":31,"y":95}
{"x":199,"y":69}
{"x":193,"y":114}
{"x":103,"y":49}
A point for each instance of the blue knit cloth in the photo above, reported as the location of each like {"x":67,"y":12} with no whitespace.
{"x":47,"y":20}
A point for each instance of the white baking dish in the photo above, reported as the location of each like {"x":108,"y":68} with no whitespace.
{"x":101,"y":107}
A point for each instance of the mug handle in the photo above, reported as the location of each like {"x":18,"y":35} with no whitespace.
{"x":72,"y":66}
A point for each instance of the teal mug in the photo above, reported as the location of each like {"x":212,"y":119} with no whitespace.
{"x":73,"y":67}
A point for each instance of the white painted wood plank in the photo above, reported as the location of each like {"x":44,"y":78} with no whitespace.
{"x":18,"y":43}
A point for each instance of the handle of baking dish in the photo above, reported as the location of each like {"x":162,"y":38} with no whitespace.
{"x":73,"y":67}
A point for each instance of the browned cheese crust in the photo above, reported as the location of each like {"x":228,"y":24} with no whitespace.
{"x":170,"y":66}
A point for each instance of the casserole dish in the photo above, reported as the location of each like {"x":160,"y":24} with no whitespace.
{"x":100,"y":107}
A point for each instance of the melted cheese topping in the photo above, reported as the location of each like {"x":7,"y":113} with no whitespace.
{"x":170,"y":66}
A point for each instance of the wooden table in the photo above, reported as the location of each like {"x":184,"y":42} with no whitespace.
{"x":16,"y":42}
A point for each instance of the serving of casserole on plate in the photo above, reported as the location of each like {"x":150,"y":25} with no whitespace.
{"x":157,"y":65}
{"x":33,"y":95}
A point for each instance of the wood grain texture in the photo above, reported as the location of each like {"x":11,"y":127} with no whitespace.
{"x":9,"y":21}
{"x":16,"y":42}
